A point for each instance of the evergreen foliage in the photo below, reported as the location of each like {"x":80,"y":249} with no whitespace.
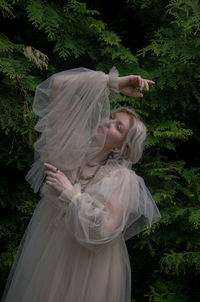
{"x":42,"y":37}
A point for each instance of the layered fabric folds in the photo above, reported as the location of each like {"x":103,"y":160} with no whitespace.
{"x":81,"y":243}
{"x":70,"y":105}
{"x":74,"y":246}
{"x":118,"y":202}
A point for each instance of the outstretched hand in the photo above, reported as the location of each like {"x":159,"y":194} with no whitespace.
{"x":128,"y":84}
{"x":56,"y":178}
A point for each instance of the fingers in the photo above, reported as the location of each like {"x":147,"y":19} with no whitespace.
{"x":51,"y":179}
{"x":150,"y":82}
{"x":53,"y":171}
{"x":51,"y":167}
{"x":52,"y":184}
{"x":50,"y":173}
{"x":128,"y":85}
{"x":141,"y":84}
{"x":137,"y":94}
{"x":144,"y":84}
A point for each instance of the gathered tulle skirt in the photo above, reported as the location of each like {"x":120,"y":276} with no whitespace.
{"x":51,"y":266}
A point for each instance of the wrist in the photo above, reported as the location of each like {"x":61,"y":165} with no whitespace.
{"x":123,"y":82}
{"x":70,"y":194}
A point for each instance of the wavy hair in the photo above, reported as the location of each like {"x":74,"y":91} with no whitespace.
{"x":133,"y":145}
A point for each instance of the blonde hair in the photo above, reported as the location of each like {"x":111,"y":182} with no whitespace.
{"x":133,"y":145}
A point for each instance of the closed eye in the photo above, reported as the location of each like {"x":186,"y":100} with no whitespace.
{"x":119,"y":127}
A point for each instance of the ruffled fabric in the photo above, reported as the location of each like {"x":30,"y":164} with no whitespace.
{"x":77,"y":242}
{"x":70,"y":104}
{"x":117,"y":201}
{"x":74,"y":246}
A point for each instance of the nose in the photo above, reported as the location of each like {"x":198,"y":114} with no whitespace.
{"x":108,"y":123}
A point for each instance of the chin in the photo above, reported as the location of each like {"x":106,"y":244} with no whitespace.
{"x":98,"y":138}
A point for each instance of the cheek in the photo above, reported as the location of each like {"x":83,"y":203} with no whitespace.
{"x":114,"y":137}
{"x":98,"y":139}
{"x":99,"y":136}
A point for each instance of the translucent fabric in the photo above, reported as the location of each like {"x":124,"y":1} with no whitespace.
{"x":70,"y":105}
{"x":118,"y":202}
{"x":74,"y":247}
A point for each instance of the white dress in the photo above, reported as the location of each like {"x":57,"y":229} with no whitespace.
{"x":73,"y":249}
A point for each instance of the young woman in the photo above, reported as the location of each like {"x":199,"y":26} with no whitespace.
{"x":74,"y":248}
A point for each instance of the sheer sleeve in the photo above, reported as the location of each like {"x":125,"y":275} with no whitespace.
{"x":70,"y":104}
{"x":111,"y":207}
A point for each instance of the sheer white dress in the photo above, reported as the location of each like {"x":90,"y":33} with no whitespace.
{"x":73,"y":249}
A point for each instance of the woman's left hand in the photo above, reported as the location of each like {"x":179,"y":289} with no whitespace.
{"x":57,"y":179}
{"x":128,"y":84}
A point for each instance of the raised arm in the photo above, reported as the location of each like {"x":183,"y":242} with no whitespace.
{"x":70,"y":105}
{"x":126,"y":84}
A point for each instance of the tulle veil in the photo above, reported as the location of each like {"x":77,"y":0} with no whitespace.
{"x":70,"y":105}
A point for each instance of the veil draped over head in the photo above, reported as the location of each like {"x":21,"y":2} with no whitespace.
{"x":70,"y":104}
{"x":50,"y":263}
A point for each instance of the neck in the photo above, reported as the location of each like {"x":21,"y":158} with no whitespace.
{"x":100,"y":157}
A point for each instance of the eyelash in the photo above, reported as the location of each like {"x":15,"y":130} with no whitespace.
{"x":118,"y":126}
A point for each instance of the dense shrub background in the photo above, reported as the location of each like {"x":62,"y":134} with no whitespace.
{"x":157,"y":39}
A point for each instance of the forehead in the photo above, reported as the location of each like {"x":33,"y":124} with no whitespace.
{"x":124,"y":118}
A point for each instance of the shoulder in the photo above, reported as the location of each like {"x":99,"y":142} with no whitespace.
{"x":120,"y":173}
{"x":130,"y":182}
{"x":113,"y":175}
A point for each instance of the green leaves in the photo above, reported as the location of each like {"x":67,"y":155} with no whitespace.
{"x":165,"y":133}
{"x":75,"y":31}
{"x":35,"y":10}
{"x":178,"y":263}
{"x":79,"y":8}
{"x":6,"y":46}
{"x":168,"y":291}
{"x":194,"y":218}
{"x":186,"y":14}
{"x":58,"y":35}
{"x":6,"y":7}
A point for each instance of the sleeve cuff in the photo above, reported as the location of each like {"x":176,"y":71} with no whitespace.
{"x":69,"y":195}
{"x":113,"y":81}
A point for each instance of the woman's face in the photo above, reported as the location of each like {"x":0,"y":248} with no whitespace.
{"x":115,"y":128}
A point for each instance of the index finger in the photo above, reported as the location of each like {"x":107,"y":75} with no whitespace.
{"x":150,"y":82}
{"x":51,"y":167}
